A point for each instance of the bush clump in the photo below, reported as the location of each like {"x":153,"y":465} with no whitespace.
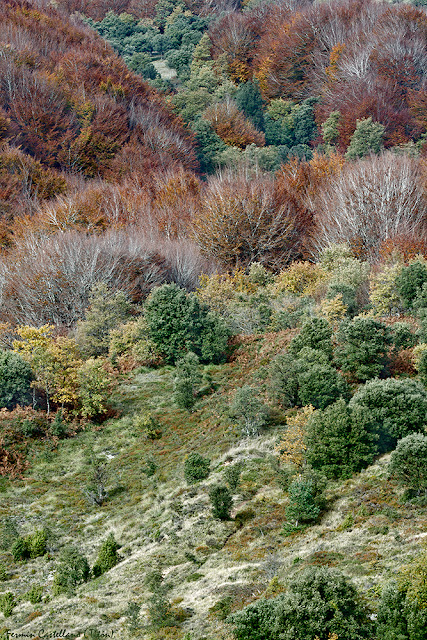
{"x":402,"y":611}
{"x":315,"y":333}
{"x":249,"y":411}
{"x":305,"y":498}
{"x":320,"y":602}
{"x":15,"y":380}
{"x":410,"y":282}
{"x":32,"y":546}
{"x":7,"y":603}
{"x":107,"y":557}
{"x":408,"y":462}
{"x":178,"y":322}
{"x":186,"y":380}
{"x":196,"y":468}
{"x":362,"y":349}
{"x":340,"y":440}
{"x":222,"y":502}
{"x":396,"y":407}
{"x":73,"y":569}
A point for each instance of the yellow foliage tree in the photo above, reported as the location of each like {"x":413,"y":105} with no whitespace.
{"x":292,"y":447}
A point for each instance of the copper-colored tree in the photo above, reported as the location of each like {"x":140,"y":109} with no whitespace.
{"x":246,"y":218}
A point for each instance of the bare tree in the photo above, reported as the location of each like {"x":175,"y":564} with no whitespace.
{"x":372,"y":201}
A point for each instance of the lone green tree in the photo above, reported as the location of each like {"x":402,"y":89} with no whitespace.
{"x":408,"y":462}
{"x":367,"y":138}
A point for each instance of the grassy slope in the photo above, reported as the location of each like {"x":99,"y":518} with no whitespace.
{"x":366,"y":531}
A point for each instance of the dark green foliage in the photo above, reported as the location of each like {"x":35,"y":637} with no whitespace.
{"x":232,"y":475}
{"x":284,"y":380}
{"x":396,"y":408}
{"x":249,"y":100}
{"x":196,"y":468}
{"x":73,"y":569}
{"x":410,"y":281}
{"x":96,"y":478}
{"x":107,"y":310}
{"x":15,"y":380}
{"x":179,"y":323}
{"x":132,"y":615}
{"x":107,"y":557}
{"x":187,"y":378}
{"x":320,"y":385}
{"x":340,"y":440}
{"x":319,"y":603}
{"x":408,"y":462}
{"x":37,"y":543}
{"x":8,"y":533}
{"x":402,"y":336}
{"x":209,"y":145}
{"x":315,"y":333}
{"x":362,"y":349}
{"x":249,"y":411}
{"x":304,"y":505}
{"x":31,"y":546}
{"x":309,"y":379}
{"x":58,"y":427}
{"x":7,"y":603}
{"x":400,"y":616}
{"x":35,"y":594}
{"x":20,"y":549}
{"x":222,"y":501}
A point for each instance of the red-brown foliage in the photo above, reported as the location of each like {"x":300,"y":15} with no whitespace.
{"x":249,"y":218}
{"x":73,"y":104}
{"x":231,"y":125}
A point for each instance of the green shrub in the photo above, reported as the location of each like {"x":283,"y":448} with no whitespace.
{"x":196,"y":468}
{"x":159,"y":607}
{"x":320,"y":385}
{"x":107,"y":557}
{"x":177,"y":323}
{"x":362,"y":349}
{"x":8,"y":533}
{"x":340,"y":440}
{"x":94,"y":387}
{"x":187,"y":378}
{"x":3,"y":573}
{"x":35,"y":594}
{"x":15,"y":380}
{"x":249,"y":411}
{"x":231,"y":475}
{"x":408,"y":462}
{"x":396,"y":408}
{"x":107,"y":309}
{"x":402,"y":336}
{"x":73,"y":569}
{"x":402,"y":611}
{"x":315,"y":333}
{"x":320,"y":602}
{"x":7,"y":603}
{"x":303,"y":503}
{"x":149,"y":426}
{"x":410,"y":281}
{"x":37,"y":543}
{"x":222,"y":502}
{"x":58,"y":427}
{"x":284,"y":380}
{"x":20,"y":549}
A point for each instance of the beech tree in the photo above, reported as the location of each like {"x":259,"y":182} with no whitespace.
{"x":246,"y":218}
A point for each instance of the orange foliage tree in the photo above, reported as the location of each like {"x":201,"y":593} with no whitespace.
{"x":246,"y":218}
